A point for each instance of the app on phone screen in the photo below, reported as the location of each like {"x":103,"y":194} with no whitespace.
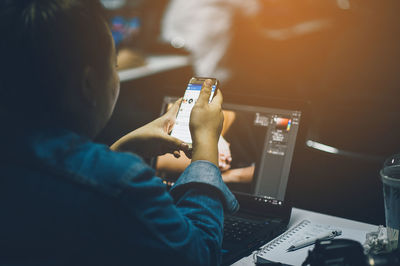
{"x":181,"y":127}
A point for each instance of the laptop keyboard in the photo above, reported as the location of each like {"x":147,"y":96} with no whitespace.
{"x":243,"y":235}
{"x":237,"y":229}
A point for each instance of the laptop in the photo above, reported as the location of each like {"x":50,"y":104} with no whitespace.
{"x":257,"y":148}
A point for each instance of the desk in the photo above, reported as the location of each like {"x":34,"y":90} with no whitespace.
{"x":154,"y":64}
{"x":298,"y":215}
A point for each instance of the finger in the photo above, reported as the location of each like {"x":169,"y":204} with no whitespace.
{"x":224,"y":168}
{"x":205,"y":92}
{"x":189,"y":151}
{"x":174,"y":108}
{"x":176,"y":154}
{"x":227,"y":167}
{"x":167,"y":121}
{"x":218,"y":99}
{"x":174,"y":144}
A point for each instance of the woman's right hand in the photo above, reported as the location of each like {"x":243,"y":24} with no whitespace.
{"x":206,"y":124}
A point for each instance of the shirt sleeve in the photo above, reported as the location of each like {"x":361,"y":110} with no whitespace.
{"x":185,"y":229}
{"x":203,"y":173}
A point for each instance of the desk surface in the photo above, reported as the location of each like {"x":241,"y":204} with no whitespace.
{"x":154,"y":64}
{"x":298,"y":215}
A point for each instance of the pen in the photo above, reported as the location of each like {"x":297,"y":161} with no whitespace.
{"x":312,"y":240}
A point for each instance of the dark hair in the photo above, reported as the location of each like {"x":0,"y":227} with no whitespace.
{"x":43,"y":43}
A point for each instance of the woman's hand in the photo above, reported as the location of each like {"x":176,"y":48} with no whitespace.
{"x":205,"y":124}
{"x":153,"y":139}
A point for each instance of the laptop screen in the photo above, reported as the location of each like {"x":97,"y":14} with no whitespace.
{"x":255,"y":151}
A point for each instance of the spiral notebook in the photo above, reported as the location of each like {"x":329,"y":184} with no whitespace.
{"x":275,"y":250}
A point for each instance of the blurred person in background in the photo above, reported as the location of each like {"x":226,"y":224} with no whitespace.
{"x":204,"y":28}
{"x":252,"y":43}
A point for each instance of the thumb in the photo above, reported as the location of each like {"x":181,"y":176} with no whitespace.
{"x":167,"y":120}
{"x":174,"y":144}
{"x":174,"y":108}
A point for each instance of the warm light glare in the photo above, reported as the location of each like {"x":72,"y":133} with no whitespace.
{"x":178,"y":42}
{"x":371,"y":261}
{"x":322,"y":147}
{"x":113,"y":4}
{"x":299,"y":29}
{"x":343,"y":4}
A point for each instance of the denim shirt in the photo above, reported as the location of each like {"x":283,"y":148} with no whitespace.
{"x":66,"y":200}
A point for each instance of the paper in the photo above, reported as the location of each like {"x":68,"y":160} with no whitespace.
{"x":275,"y":251}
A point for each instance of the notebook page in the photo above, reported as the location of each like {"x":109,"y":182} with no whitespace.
{"x":275,"y":251}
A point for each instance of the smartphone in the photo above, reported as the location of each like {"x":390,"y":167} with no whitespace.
{"x":181,"y":127}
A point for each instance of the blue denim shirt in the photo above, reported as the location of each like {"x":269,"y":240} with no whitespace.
{"x":65,"y":200}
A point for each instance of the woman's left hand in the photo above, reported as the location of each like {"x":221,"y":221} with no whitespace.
{"x":153,"y":139}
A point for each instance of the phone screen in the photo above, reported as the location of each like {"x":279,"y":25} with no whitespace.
{"x":181,"y":127}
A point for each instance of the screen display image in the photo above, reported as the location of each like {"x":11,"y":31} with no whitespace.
{"x":255,"y":151}
{"x":283,"y":123}
{"x":181,"y":127}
